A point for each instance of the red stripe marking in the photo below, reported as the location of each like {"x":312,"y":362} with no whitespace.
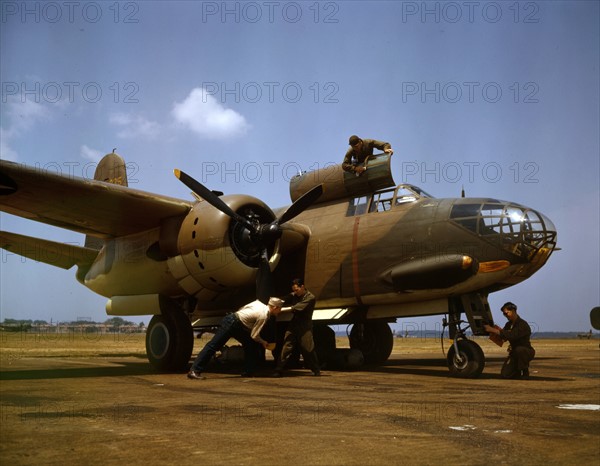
{"x":355,"y":277}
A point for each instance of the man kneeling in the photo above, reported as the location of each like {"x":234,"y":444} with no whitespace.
{"x":520,"y":352}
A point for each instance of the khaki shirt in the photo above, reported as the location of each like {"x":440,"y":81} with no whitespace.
{"x":517,"y":333}
{"x":367,"y":149}
{"x":302,"y":307}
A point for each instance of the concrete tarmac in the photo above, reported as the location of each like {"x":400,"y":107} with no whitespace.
{"x":112,"y":408}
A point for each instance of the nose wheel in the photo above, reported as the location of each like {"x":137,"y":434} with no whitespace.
{"x":465,"y":359}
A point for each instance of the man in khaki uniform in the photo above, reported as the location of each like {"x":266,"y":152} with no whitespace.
{"x":299,"y":330}
{"x":360,"y":149}
{"x":520,"y":352}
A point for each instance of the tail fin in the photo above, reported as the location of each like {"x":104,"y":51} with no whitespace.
{"x":111,"y":169}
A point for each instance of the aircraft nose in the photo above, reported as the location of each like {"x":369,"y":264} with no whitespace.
{"x":528,"y":230}
{"x":522,"y":231}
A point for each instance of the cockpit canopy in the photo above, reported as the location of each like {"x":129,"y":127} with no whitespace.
{"x":382,"y":201}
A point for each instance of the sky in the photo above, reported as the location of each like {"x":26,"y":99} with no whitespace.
{"x":501,"y":98}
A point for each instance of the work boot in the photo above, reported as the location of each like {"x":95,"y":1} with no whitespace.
{"x":195,"y":375}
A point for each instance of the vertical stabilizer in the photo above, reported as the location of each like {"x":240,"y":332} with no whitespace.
{"x":111,"y":169}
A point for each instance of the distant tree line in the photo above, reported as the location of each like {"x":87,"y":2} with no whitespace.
{"x":114,"y":324}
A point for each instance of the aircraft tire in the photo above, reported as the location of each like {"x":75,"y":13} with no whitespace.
{"x":169,"y":341}
{"x":374,"y":338}
{"x":324,"y":338}
{"x":471,"y":362}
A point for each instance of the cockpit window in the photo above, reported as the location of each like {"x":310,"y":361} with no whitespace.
{"x":409,"y":193}
{"x":357,"y":206}
{"x":491,"y":215}
{"x":417,"y":190}
{"x":464,"y":210}
{"x":384,"y":201}
{"x":405,"y":195}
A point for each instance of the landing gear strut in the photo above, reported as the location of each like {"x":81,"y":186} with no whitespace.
{"x":465,"y":357}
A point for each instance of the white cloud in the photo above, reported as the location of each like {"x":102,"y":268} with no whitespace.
{"x":22,"y":116}
{"x":205,"y":116}
{"x":90,"y":154}
{"x":134,"y":126}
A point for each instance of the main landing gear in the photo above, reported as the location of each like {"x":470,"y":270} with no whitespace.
{"x":170,"y":341}
{"x":371,"y":342}
{"x":374,"y":338}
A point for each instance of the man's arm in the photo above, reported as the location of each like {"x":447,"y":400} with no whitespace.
{"x":383,"y":146}
{"x":347,"y":163}
{"x":520,"y":330}
{"x":306,"y":303}
{"x":255,"y":332}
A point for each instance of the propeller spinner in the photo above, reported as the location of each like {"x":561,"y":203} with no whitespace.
{"x":262,"y":235}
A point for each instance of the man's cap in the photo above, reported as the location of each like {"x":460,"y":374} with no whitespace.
{"x":354,"y":139}
{"x":510,"y":306}
{"x":275,"y":302}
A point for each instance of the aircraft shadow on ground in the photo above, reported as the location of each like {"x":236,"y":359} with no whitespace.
{"x":120,"y":370}
{"x":432,"y":367}
{"x":422,"y":367}
{"x":435,"y":367}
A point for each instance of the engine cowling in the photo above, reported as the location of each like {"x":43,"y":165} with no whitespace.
{"x":215,"y":252}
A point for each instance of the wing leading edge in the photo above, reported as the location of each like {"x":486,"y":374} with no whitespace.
{"x":91,"y":207}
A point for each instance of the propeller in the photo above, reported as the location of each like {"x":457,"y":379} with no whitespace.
{"x":209,"y":197}
{"x":262,"y":235}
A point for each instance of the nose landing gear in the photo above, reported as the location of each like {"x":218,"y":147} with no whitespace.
{"x":465,"y":358}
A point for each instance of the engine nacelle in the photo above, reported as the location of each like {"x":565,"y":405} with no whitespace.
{"x":217,"y":253}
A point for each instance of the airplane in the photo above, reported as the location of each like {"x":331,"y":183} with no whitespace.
{"x":370,"y":251}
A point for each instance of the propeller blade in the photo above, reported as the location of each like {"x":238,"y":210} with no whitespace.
{"x":210,"y":197}
{"x":264,"y":279}
{"x":301,"y":204}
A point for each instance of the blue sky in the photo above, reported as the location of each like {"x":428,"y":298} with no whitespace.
{"x":498,"y":97}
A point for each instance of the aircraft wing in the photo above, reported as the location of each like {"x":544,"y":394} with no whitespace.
{"x":91,"y":207}
{"x":61,"y":255}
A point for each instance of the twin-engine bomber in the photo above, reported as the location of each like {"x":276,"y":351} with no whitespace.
{"x":368,"y":250}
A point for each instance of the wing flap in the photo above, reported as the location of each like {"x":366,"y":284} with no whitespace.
{"x":91,"y":207}
{"x":61,"y":255}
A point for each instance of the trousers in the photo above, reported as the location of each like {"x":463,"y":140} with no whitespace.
{"x":517,"y":361}
{"x":303,"y":337}
{"x":230,"y":326}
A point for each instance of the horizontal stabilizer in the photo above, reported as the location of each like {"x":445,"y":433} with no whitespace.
{"x":61,"y":255}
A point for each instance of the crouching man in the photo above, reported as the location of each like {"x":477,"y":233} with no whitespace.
{"x":520,"y":352}
{"x":245,"y":326}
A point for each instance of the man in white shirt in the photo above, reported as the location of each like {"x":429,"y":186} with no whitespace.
{"x":245,"y":326}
